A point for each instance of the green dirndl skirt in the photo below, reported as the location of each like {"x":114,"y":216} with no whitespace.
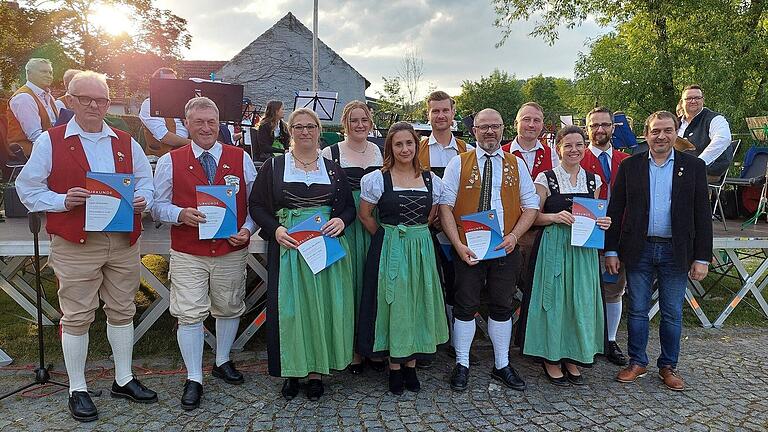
{"x":410,"y":311}
{"x":316,"y":334}
{"x":565,"y":312}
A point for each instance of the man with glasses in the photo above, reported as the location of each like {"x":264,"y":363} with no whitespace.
{"x":604,"y":161}
{"x":90,"y":266}
{"x":707,"y":130}
{"x":480,"y":180}
{"x":31,"y":109}
{"x":162,"y":135}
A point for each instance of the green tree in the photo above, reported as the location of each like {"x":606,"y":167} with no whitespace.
{"x":23,"y":32}
{"x":553,"y":94}
{"x":499,"y":91}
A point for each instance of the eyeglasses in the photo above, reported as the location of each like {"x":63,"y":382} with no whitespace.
{"x":308,"y":128}
{"x":484,"y":128}
{"x":600,"y":125}
{"x":693,"y":98}
{"x":86,"y":101}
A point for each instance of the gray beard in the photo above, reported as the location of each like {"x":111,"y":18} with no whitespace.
{"x":488,"y":148}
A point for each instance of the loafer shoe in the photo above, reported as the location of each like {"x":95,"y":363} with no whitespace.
{"x":228,"y":373}
{"x":509,"y":377}
{"x":193,"y":392}
{"x":671,"y":379}
{"x":561,"y":381}
{"x":315,"y":389}
{"x":81,"y":407}
{"x":459,"y":377}
{"x":631,"y":373}
{"x":290,"y":388}
{"x":355,"y":369}
{"x":573,"y":379}
{"x":135,"y":391}
{"x":615,"y":355}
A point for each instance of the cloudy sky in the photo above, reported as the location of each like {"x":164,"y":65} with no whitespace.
{"x":456,"y":38}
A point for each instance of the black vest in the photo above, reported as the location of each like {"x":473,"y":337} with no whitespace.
{"x":697,"y":133}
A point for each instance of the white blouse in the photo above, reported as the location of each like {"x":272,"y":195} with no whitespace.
{"x":564,"y":181}
{"x":295,"y":175}
{"x":374,"y":157}
{"x":372,"y":187}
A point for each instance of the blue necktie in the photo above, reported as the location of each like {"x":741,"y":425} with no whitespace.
{"x":209,"y":166}
{"x":606,"y":166}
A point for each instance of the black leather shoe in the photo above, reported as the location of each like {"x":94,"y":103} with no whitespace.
{"x":315,"y":389}
{"x":411,"y":380}
{"x":509,"y":377}
{"x":193,"y":392}
{"x":573,"y":379}
{"x":290,"y":388}
{"x":377,"y":365}
{"x":355,"y":369}
{"x":81,"y":407}
{"x":559,"y":381}
{"x":134,"y":391}
{"x":459,"y":377}
{"x":615,"y":355}
{"x":228,"y":373}
{"x":396,"y":381}
{"x":424,"y":364}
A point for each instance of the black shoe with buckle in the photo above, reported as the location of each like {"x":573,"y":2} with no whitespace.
{"x":509,"y":377}
{"x":228,"y":373}
{"x":81,"y":407}
{"x":459,"y":377}
{"x":290,"y":388}
{"x":615,"y":355}
{"x":193,"y":392}
{"x":135,"y":391}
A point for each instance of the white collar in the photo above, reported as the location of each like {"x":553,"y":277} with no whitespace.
{"x":452,"y":144}
{"x":74,"y":129}
{"x":36,"y":89}
{"x":480,"y":152}
{"x":215,"y":151}
{"x":597,"y":152}
{"x":515,"y":146}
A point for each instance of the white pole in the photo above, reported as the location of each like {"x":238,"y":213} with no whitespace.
{"x":314,"y":50}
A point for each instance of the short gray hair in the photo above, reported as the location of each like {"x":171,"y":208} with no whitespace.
{"x":199,"y":103}
{"x":88,"y":76}
{"x":35,"y":61}
{"x":69,"y":74}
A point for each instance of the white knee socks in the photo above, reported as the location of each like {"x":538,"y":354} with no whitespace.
{"x":75,"y":350}
{"x":226,"y":330}
{"x":612,"y":317}
{"x":121,"y":340}
{"x":190,"y":338}
{"x":500,"y":333}
{"x":463,"y":333}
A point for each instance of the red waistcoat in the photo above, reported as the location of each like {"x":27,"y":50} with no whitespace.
{"x":542,"y":162}
{"x":188,"y":173}
{"x":592,"y":163}
{"x":68,"y":168}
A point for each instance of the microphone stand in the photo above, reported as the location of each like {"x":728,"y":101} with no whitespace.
{"x":42,"y":374}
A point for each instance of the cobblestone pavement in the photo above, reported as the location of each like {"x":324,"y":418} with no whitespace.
{"x":726,"y":372}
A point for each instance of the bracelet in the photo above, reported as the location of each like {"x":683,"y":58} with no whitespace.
{"x":515,"y":235}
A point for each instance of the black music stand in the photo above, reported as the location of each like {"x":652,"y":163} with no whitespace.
{"x":322,"y":103}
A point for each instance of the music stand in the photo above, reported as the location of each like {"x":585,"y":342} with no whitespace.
{"x":322,"y":103}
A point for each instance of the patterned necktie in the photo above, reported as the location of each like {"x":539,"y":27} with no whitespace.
{"x":486,"y":185}
{"x":606,"y":166}
{"x":209,"y":166}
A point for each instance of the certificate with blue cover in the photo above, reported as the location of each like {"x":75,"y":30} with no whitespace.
{"x":218,"y":204}
{"x":110,"y":206}
{"x":483,"y":234}
{"x":585,"y":232}
{"x":319,"y":251}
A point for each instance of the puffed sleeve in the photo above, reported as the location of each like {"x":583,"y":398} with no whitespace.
{"x":541,"y":179}
{"x":372,"y":186}
{"x":437,"y":189}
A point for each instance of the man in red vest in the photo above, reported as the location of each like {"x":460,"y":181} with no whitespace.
{"x":32,"y":109}
{"x":90,"y":266}
{"x":604,"y":161}
{"x":207,"y":276}
{"x":538,"y":157}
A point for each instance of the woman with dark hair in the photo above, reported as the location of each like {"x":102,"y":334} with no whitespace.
{"x":401,"y":312}
{"x":309,"y":327}
{"x":272,"y":137}
{"x":562,"y":321}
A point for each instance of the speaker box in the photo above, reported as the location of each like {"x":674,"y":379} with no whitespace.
{"x":13,"y":206}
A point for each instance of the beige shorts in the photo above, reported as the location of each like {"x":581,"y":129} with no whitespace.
{"x":106,"y":267}
{"x":201,"y":284}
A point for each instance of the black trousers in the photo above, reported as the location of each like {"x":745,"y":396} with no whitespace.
{"x":499,"y":278}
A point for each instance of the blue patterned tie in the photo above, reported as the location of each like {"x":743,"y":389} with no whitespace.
{"x":209,"y":166}
{"x":606,"y":166}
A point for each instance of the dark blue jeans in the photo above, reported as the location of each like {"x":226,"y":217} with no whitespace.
{"x":655,"y":263}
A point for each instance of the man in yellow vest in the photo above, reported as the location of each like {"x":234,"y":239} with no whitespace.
{"x":162,"y":135}
{"x":31,"y":110}
{"x":486,"y":179}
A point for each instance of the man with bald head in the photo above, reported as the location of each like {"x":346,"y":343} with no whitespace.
{"x":486,"y":178}
{"x":90,"y":266}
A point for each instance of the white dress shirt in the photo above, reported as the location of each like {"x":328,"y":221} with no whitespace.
{"x":440,"y":155}
{"x":26,"y":112}
{"x":719,"y":137}
{"x":165,"y":211}
{"x":156,"y":125}
{"x":452,"y":177}
{"x":32,"y":182}
{"x":530,"y":155}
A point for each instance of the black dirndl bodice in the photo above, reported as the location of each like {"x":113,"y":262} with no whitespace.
{"x":408,"y":207}
{"x":557,"y":202}
{"x":354,"y":174}
{"x":298,"y":195}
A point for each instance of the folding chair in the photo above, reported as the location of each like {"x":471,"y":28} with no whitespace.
{"x":5,"y":359}
{"x":717,"y":187}
{"x":754,"y":172}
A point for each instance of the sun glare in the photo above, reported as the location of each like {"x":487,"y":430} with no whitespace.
{"x":113,"y":19}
